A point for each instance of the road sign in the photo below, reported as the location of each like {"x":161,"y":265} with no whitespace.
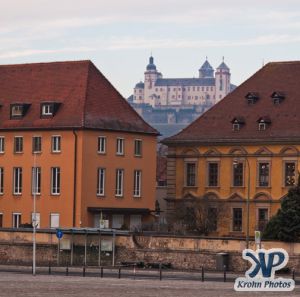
{"x":257,"y":237}
{"x":59,"y":233}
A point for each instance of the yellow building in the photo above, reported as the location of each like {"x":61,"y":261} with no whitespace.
{"x":69,"y":141}
{"x":245,"y":147}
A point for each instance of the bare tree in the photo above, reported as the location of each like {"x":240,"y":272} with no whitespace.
{"x":197,"y":215}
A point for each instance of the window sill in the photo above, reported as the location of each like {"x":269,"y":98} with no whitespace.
{"x":100,"y":196}
{"x":119,"y":196}
{"x":17,"y":194}
{"x":137,"y":197}
{"x":55,"y":195}
{"x":138,"y":156}
{"x":37,"y":194}
{"x":239,"y":187}
{"x":18,"y":153}
{"x":101,"y":153}
{"x":55,"y":152}
{"x":212,"y":187}
{"x":2,"y":153}
{"x":263,"y":187}
{"x":190,"y":187}
{"x":120,"y":155}
{"x":37,"y":153}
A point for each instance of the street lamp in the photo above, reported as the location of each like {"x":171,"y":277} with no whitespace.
{"x":34,"y":215}
{"x":235,"y":162}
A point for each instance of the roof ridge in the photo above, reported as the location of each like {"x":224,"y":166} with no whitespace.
{"x":47,"y":63}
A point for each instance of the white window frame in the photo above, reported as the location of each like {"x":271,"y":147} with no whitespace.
{"x":1,"y":180}
{"x":101,"y":145}
{"x":55,"y":181}
{"x":119,"y":183}
{"x":140,"y":141}
{"x":2,"y":144}
{"x":37,"y":218}
{"x":55,"y":143}
{"x":137,"y":184}
{"x":34,"y":138}
{"x":101,"y":172}
{"x":52,"y":215}
{"x":262,"y":126}
{"x":36,"y":176}
{"x":47,"y":109}
{"x":120,"y":146}
{"x":18,"y":215}
{"x":17,"y":180}
{"x":17,"y":110}
{"x":15,"y":144}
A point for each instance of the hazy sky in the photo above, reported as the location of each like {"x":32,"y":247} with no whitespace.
{"x":118,"y":36}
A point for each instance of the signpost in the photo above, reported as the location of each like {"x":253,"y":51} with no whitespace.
{"x":59,"y":235}
{"x":258,"y":239}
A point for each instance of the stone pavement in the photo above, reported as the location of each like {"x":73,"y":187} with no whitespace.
{"x":12,"y":285}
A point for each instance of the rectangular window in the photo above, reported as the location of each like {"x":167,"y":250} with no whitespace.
{"x":263,"y":174}
{"x":137,"y":185}
{"x":289,"y":174}
{"x":47,"y":109}
{"x":17,"y":181}
{"x":212,"y":219}
{"x":17,"y":111}
{"x":119,"y":182}
{"x":101,"y":182}
{"x":16,"y":220}
{"x":36,"y":219}
{"x":120,"y":146}
{"x":36,"y":144}
{"x":18,"y":145}
{"x":1,"y":180}
{"x":213,"y":173}
{"x":237,"y":219}
{"x":2,"y":144}
{"x":190,"y":174}
{"x":56,"y":144}
{"x":101,"y":144}
{"x":238,"y":175}
{"x":138,"y":147}
{"x":36,"y":181}
{"x":55,"y":181}
{"x":262,"y":218}
{"x":54,"y":220}
{"x":1,"y":220}
{"x":117,"y":221}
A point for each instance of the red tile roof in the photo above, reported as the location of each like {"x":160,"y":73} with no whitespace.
{"x":88,"y":100}
{"x":215,"y":125}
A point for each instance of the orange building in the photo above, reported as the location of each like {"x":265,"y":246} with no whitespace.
{"x":68,"y":138}
{"x":243,"y":154}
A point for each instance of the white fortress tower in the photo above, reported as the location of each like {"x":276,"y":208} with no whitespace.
{"x":206,"y":90}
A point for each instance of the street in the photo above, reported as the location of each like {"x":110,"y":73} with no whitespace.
{"x":12,"y":285}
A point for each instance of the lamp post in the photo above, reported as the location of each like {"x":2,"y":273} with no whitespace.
{"x":34,"y":216}
{"x":247,"y":202}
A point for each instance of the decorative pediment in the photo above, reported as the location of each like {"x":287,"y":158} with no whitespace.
{"x":211,"y":196}
{"x":212,"y":152}
{"x":262,"y":196}
{"x":235,"y":197}
{"x":263,"y":151}
{"x":190,"y":152}
{"x":238,"y":151}
{"x":289,"y":150}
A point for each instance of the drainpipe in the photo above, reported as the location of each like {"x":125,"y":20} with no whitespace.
{"x":75,"y":178}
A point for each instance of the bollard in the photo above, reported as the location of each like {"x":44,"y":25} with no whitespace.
{"x":119,"y":274}
{"x":134,"y":270}
{"x":67,"y":271}
{"x":224,"y":273}
{"x":83,"y":271}
{"x":160,"y":272}
{"x":202,"y":274}
{"x":49,"y":269}
{"x":101,"y":272}
{"x":293,"y":274}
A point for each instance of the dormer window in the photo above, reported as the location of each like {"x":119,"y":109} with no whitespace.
{"x":277,"y":97}
{"x":252,"y":97}
{"x":18,"y":110}
{"x":48,"y":109}
{"x":263,"y":123}
{"x":237,"y":123}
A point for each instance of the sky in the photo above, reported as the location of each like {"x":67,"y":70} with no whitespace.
{"x":119,"y":35}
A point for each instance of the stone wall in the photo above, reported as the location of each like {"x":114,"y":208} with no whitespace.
{"x":181,"y":252}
